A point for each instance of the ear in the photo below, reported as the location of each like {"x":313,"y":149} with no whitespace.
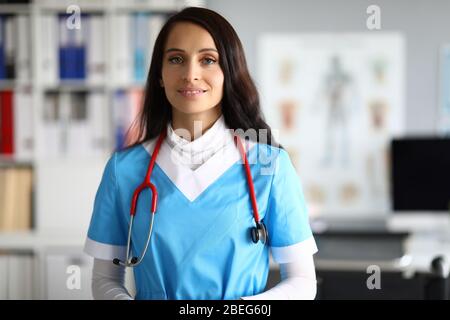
{"x":161,"y":83}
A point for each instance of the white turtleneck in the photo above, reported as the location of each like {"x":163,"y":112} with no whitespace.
{"x":298,"y":279}
{"x":196,"y":152}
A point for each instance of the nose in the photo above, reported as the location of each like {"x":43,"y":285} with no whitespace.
{"x":191,"y":71}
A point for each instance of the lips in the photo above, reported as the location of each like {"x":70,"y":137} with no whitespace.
{"x":191,"y":89}
{"x":191,"y":92}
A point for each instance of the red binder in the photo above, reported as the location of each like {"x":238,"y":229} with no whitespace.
{"x":6,"y":123}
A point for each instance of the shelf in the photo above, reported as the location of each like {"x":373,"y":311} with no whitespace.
{"x":66,"y":183}
{"x":75,"y":85}
{"x":33,"y":240}
{"x":153,"y":6}
{"x":86,"y":6}
{"x":144,"y":9}
{"x":7,"y":161}
{"x":137,"y":85}
{"x":99,"y":6}
{"x":72,"y":161}
{"x":11,"y":84}
{"x":6,"y":8}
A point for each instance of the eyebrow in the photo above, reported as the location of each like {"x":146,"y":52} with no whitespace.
{"x":181,"y":50}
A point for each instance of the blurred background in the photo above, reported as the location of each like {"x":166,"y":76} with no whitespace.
{"x":357,"y":92}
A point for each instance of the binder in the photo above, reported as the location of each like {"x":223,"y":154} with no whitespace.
{"x":51,"y":127}
{"x":77,"y":125}
{"x":2,"y":48}
{"x":23,"y":55}
{"x":72,"y":58}
{"x":99,"y":119}
{"x":6,"y":123}
{"x":3,"y":199}
{"x":9,"y":206}
{"x":122,"y":53}
{"x":16,"y":207}
{"x":121,"y":118}
{"x":50,"y":45}
{"x":95,"y":49}
{"x":23,"y":124}
{"x":10,"y":46}
{"x":21,"y":217}
{"x":3,"y":276}
{"x":20,"y":277}
{"x":140,"y":30}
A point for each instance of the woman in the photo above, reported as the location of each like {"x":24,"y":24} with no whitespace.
{"x":209,"y":239}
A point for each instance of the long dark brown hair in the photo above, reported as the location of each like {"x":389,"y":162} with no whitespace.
{"x":240,"y":102}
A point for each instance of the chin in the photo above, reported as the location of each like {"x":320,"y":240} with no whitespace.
{"x":192,"y":109}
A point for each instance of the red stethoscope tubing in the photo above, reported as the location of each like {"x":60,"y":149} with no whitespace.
{"x":255,"y":231}
{"x":148,"y":184}
{"x":251,"y":188}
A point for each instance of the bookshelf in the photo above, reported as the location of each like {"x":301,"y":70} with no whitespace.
{"x":71,"y":93}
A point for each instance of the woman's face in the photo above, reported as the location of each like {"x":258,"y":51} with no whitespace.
{"x":191,"y":74}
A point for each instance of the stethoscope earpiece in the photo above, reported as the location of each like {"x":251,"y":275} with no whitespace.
{"x":132,"y":262}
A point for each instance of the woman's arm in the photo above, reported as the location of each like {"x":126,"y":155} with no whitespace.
{"x":298,"y":282}
{"x":108,"y":281}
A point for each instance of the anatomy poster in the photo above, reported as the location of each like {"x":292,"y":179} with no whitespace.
{"x":334,"y":101}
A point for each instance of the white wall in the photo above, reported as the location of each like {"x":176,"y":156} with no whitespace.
{"x":425,"y":24}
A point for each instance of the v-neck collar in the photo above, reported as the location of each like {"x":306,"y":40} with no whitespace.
{"x":193,"y":182}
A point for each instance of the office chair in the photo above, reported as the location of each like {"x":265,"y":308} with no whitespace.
{"x":437,"y":286}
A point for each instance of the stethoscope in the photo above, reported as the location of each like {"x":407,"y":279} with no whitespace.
{"x":257,"y":233}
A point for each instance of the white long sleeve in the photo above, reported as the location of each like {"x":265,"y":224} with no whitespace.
{"x":298,"y":279}
{"x":298,"y":282}
{"x":108,"y":281}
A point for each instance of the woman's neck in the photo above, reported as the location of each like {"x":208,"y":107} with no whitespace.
{"x":194,"y":125}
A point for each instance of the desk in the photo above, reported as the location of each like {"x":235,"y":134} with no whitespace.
{"x":402,"y":278}
{"x":407,"y":276}
{"x":419,"y":250}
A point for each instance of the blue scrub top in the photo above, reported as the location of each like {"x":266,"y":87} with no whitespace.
{"x":200,"y":246}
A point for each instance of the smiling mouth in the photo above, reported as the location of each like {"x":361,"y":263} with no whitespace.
{"x":191,"y":93}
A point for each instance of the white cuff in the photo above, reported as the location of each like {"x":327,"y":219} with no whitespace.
{"x":104,"y":251}
{"x":298,"y":282}
{"x":294,"y":252}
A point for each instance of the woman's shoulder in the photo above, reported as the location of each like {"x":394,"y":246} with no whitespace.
{"x":268,"y":158}
{"x":267,"y":151}
{"x":133,"y":154}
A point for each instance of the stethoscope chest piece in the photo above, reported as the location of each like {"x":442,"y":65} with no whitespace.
{"x":259,"y":233}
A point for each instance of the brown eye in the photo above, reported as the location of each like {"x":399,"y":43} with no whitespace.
{"x":175,"y":60}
